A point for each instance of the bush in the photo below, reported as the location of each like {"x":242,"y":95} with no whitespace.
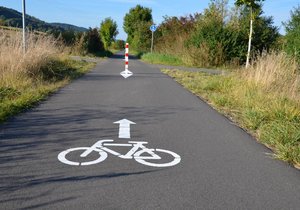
{"x":118,"y":45}
{"x":214,"y":38}
{"x":142,"y":37}
{"x":89,"y":42}
{"x":293,"y":34}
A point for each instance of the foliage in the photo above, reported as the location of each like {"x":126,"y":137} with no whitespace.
{"x":265,"y":37}
{"x":217,"y":37}
{"x":108,"y":32}
{"x":141,"y":40}
{"x":292,"y":28}
{"x":254,"y":4}
{"x":27,"y":79}
{"x":118,"y":44}
{"x":174,"y":30}
{"x":157,"y":58}
{"x":264,"y":99}
{"x":136,"y":23}
{"x":211,"y":34}
{"x":67,"y":37}
{"x":89,"y":42}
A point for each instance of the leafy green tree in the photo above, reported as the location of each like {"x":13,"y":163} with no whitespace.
{"x":89,"y":42}
{"x":94,"y":43}
{"x":254,"y":6}
{"x":142,"y":37}
{"x":211,"y":38}
{"x":108,"y":32}
{"x":133,"y":21}
{"x":292,"y":28}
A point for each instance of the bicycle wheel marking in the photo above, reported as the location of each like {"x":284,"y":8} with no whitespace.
{"x":136,"y":152}
{"x":62,"y":157}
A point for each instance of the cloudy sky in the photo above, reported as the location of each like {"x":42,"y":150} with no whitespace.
{"x":89,"y":13}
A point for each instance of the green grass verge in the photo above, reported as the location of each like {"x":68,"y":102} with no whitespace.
{"x":56,"y":74}
{"x":157,"y":58}
{"x":273,"y":119}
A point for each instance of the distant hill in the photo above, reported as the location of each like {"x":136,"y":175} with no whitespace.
{"x":69,"y":27}
{"x":13,"y":18}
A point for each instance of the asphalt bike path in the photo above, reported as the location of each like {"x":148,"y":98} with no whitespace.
{"x":205,"y":161}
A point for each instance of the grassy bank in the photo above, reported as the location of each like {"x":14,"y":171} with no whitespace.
{"x":25,"y":79}
{"x":265,"y":100}
{"x":171,"y":60}
{"x":157,"y":58}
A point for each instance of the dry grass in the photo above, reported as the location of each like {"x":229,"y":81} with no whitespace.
{"x":263,"y":99}
{"x":25,"y":79}
{"x":15,"y":65}
{"x":276,"y":72}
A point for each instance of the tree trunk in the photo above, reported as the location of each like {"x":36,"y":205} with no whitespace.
{"x":250,"y":39}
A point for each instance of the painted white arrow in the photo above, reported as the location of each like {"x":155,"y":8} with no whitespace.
{"x":124,"y":128}
{"x":126,"y":73}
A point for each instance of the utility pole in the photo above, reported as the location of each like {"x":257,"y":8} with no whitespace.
{"x":24,"y":25}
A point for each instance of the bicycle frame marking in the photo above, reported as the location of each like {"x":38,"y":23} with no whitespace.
{"x":135,"y":152}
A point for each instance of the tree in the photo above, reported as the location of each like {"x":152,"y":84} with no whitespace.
{"x":292,"y":28}
{"x":253,"y":6}
{"x":89,"y":42}
{"x":108,"y":32}
{"x":133,"y":20}
{"x":142,"y":37}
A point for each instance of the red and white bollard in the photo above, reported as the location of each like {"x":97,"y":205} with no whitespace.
{"x":126,"y":73}
{"x":126,"y":56}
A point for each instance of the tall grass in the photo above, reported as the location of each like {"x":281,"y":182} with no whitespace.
{"x":28,"y":78}
{"x":276,"y":72}
{"x":17,"y":67}
{"x":263,"y":99}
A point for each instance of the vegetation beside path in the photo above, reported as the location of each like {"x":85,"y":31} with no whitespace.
{"x":26,"y":79}
{"x":264,"y":99}
{"x":165,"y":59}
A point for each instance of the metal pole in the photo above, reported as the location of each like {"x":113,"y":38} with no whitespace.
{"x":152,"y":42}
{"x":24,"y":26}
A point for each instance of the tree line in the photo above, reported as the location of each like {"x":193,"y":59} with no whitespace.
{"x":94,"y":40}
{"x":219,"y":35}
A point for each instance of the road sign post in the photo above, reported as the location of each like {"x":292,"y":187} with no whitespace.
{"x":153,"y":29}
{"x":24,"y":26}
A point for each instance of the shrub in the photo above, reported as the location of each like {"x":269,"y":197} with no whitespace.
{"x":89,"y":42}
{"x":292,"y":28}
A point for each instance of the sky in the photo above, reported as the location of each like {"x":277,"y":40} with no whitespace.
{"x":90,"y":13}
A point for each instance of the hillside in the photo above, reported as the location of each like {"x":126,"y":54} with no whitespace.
{"x":69,"y":27}
{"x":13,"y":18}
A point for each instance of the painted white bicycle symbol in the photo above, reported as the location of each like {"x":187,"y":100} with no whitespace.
{"x":136,"y":153}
